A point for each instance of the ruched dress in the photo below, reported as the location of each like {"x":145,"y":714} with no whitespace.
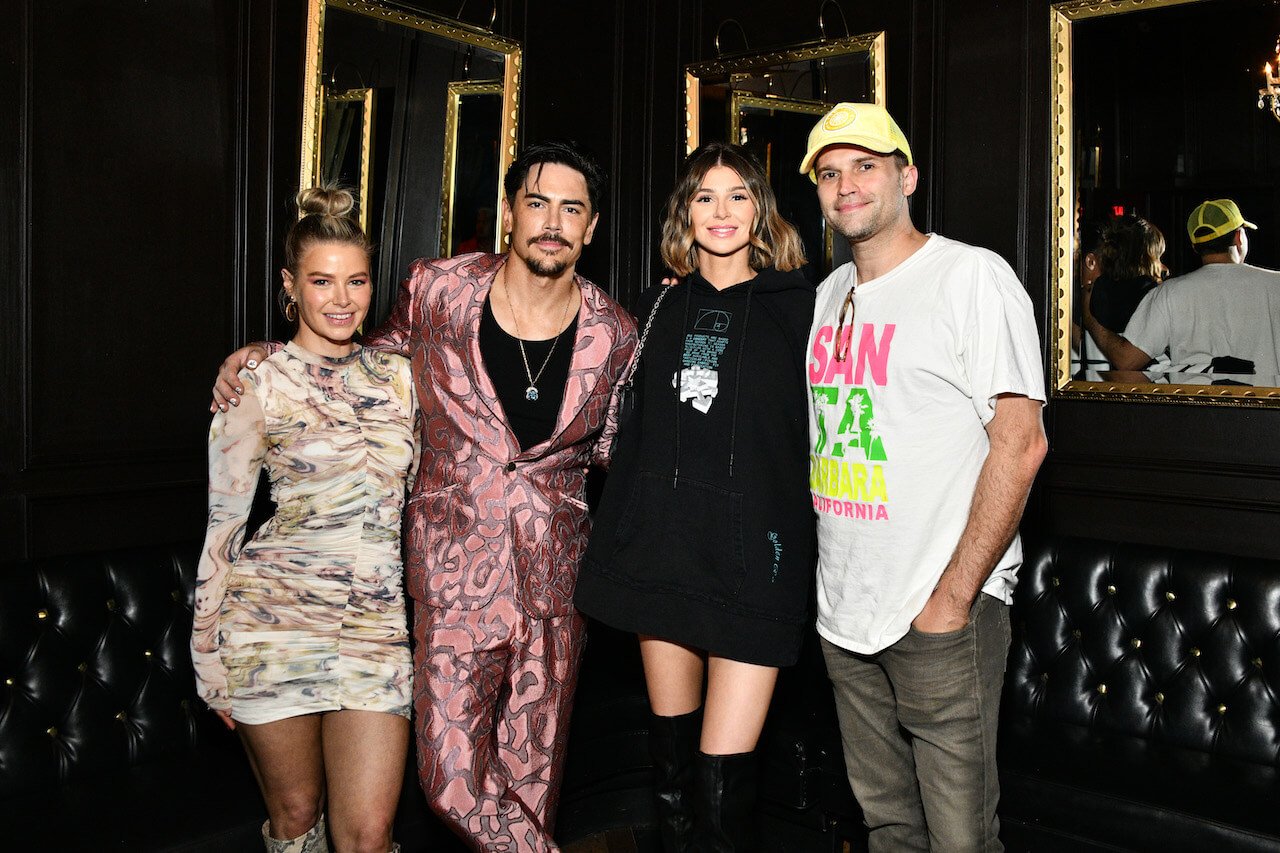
{"x":309,"y":615}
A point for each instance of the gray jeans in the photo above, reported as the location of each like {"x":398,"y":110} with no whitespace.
{"x":918,"y":721}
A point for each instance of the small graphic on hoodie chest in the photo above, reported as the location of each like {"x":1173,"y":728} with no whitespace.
{"x":699,"y":378}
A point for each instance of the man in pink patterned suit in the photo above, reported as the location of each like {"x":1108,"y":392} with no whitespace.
{"x":514,"y":358}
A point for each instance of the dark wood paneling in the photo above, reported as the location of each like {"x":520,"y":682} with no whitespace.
{"x":139,"y":213}
{"x":130,"y":189}
{"x":14,"y":143}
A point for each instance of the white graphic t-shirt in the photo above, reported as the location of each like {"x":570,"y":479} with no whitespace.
{"x":898,"y":429}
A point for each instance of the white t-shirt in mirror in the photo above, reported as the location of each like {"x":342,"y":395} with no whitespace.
{"x":898,"y":429}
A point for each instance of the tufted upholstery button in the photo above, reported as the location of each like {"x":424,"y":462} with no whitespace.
{"x":147,"y":653}
{"x":176,"y":595}
{"x":1256,"y":662}
{"x":111,"y":604}
{"x":1231,"y":604}
{"x":1111,"y":590}
{"x":1102,"y":688}
{"x":122,"y":716}
{"x":51,"y":731}
{"x":1169,"y":596}
{"x":1159,"y":698}
{"x":82,"y":667}
{"x":9,"y":681}
{"x":1044,"y":678}
{"x":1056,"y":583}
{"x":1222,"y":709}
{"x":42,"y":614}
{"x":1076,"y":633}
{"x":1136,"y":643}
{"x":185,"y":704}
{"x":511,"y":466}
{"x":1195,"y":653}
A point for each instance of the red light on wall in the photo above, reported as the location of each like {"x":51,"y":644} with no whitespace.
{"x":1117,"y":210}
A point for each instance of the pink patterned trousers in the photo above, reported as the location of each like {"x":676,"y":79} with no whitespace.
{"x":492,"y":695}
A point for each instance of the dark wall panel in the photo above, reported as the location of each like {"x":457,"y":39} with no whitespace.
{"x":129,"y":233}
{"x":137,"y":221}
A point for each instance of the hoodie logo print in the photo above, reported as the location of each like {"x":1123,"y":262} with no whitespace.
{"x":712,"y":320}
{"x":699,"y":379}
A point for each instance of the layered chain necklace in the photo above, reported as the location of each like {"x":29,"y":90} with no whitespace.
{"x":531,"y":393}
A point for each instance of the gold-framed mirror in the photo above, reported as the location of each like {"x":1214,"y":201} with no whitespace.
{"x":346,"y":143}
{"x":418,"y":67}
{"x":473,"y":113}
{"x":768,"y":103}
{"x":1155,"y":109}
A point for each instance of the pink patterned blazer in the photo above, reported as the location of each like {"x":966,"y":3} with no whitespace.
{"x":480,"y":507}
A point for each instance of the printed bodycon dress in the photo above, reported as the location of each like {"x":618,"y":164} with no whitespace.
{"x":309,"y":615}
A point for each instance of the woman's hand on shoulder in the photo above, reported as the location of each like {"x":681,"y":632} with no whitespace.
{"x":669,"y":281}
{"x":227,"y":387}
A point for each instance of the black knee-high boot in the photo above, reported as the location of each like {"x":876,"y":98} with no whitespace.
{"x":725,"y":800}
{"x":672,"y":744}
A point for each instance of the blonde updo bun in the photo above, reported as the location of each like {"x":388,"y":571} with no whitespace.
{"x":324,"y":217}
{"x":325,"y":201}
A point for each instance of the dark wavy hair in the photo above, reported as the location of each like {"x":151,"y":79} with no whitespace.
{"x":774,"y":241}
{"x":1130,"y":247}
{"x":564,"y":152}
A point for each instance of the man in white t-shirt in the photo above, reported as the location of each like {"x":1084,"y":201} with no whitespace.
{"x":1221,"y":318}
{"x":927,"y":385}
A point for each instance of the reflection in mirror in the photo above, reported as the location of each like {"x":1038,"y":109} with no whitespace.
{"x":776,"y":130}
{"x":1156,"y":112}
{"x":768,"y":102}
{"x":473,"y":119}
{"x":417,"y":66}
{"x":346,"y":142}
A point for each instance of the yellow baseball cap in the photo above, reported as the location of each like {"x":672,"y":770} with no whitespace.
{"x":1213,"y":219}
{"x":868,"y":126}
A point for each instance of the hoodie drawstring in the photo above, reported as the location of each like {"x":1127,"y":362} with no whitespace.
{"x":737,"y":377}
{"x":684,"y":330}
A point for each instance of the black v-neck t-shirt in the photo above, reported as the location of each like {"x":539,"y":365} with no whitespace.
{"x":532,"y":421}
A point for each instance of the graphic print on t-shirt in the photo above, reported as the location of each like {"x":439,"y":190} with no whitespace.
{"x":844,"y":476}
{"x":699,"y":377}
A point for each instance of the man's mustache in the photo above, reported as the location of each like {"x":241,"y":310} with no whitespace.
{"x":555,"y":238}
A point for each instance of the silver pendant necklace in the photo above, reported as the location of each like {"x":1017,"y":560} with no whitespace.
{"x":531,"y":393}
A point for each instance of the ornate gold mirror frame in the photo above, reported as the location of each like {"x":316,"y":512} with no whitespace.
{"x":871,"y":44}
{"x":363,"y":97}
{"x":313,"y":83}
{"x":449,"y":180}
{"x":1063,"y":244}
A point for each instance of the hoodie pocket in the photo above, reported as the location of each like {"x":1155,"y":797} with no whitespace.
{"x":686,"y":538}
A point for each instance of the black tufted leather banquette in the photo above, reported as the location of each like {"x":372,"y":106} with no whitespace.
{"x":103,"y":745}
{"x":1142,"y":701}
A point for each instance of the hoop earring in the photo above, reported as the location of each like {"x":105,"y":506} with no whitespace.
{"x":291,"y":311}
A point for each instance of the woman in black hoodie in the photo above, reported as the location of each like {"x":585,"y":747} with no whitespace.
{"x":704,"y":541}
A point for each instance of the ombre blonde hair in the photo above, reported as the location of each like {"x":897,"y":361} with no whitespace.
{"x":774,"y":241}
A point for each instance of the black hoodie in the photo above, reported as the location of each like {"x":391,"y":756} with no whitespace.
{"x":707,"y":510}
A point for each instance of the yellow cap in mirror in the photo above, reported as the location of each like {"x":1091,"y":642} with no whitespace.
{"x":1213,"y":219}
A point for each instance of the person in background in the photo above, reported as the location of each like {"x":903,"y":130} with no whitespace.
{"x":299,"y":640}
{"x":1129,"y":259}
{"x":1222,"y":318}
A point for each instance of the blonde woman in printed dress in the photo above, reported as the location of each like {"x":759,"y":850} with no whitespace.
{"x":299,"y":641}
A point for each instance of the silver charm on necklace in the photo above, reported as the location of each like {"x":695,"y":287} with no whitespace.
{"x":531,"y":393}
